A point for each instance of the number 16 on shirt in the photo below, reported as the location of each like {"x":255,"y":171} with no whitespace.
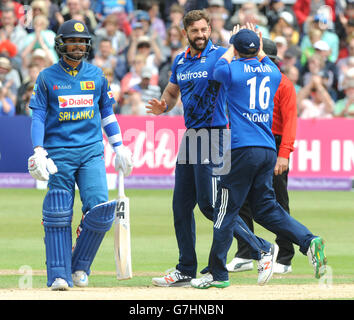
{"x":122,"y":249}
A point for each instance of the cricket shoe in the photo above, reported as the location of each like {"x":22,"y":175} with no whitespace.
{"x":281,"y":268}
{"x":80,"y":278}
{"x":174,"y":278}
{"x":59,"y":284}
{"x":239,"y":264}
{"x":317,"y":257}
{"x":266,"y":264}
{"x":208,"y":281}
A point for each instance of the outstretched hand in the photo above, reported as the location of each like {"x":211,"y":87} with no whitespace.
{"x":235,"y":29}
{"x":156,"y":107}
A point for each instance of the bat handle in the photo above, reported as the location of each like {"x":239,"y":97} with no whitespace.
{"x":121,"y":192}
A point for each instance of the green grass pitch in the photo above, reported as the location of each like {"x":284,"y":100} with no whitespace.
{"x":154,"y":248}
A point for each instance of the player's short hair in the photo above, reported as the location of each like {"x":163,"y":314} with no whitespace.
{"x":195,"y":15}
{"x":250,"y":55}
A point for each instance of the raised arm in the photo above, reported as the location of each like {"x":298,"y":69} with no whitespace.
{"x":168,"y":100}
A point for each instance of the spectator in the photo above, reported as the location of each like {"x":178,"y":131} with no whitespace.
{"x":221,"y":10}
{"x":175,"y":16}
{"x":293,"y":75}
{"x":54,"y":15}
{"x":40,"y":58}
{"x":282,"y":46}
{"x":343,"y":75}
{"x":144,"y":18}
{"x":124,"y":62}
{"x":42,"y":38}
{"x":307,"y":48}
{"x":315,"y":64}
{"x":23,"y":91}
{"x":124,"y":23}
{"x":104,"y":57}
{"x":139,"y":95}
{"x":10,"y":79}
{"x":186,"y":5}
{"x":321,"y":23}
{"x":291,"y":58}
{"x":147,"y":90}
{"x":217,"y":23}
{"x":10,"y":29}
{"x":291,"y":35}
{"x":39,"y":7}
{"x":314,"y":102}
{"x":330,"y":67}
{"x":157,"y":24}
{"x":271,"y":10}
{"x":7,"y":48}
{"x":345,"y":63}
{"x":132,"y":77}
{"x":286,"y":21}
{"x":14,"y":33}
{"x":345,"y":106}
{"x":110,"y":29}
{"x":16,"y":7}
{"x":103,"y":8}
{"x":165,"y":68}
{"x":174,"y":38}
{"x":22,"y":106}
{"x":75,"y":8}
{"x":217,"y":38}
{"x":87,"y":10}
{"x":305,"y":9}
{"x":249,"y":13}
{"x":115,"y":86}
{"x":133,"y":105}
{"x":326,"y":81}
{"x":220,"y":6}
{"x":344,"y":27}
{"x":137,"y":31}
{"x":148,"y":48}
{"x":7,"y":107}
{"x":349,"y":29}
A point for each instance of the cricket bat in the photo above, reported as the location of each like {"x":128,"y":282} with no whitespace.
{"x":122,"y":249}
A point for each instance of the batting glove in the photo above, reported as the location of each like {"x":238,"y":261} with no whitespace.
{"x":124,"y":160}
{"x":39,"y":166}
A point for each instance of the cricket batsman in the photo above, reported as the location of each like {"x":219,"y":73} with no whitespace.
{"x":71,"y":101}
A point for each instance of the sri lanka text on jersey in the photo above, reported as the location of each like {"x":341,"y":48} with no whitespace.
{"x":74,"y":116}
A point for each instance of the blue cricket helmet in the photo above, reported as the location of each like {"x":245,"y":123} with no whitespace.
{"x":72,"y":29}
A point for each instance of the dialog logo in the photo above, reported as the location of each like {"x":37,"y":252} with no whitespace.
{"x":76,"y":101}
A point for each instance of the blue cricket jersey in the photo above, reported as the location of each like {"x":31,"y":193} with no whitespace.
{"x":72,"y":104}
{"x":202,"y":96}
{"x":250,"y":87}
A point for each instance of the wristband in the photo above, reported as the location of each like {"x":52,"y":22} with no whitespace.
{"x":165,"y":109}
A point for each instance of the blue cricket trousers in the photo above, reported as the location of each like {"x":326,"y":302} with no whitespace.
{"x":251,"y":174}
{"x":194,"y":184}
{"x":84,"y":166}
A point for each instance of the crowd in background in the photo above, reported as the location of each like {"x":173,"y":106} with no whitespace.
{"x":136,"y":42}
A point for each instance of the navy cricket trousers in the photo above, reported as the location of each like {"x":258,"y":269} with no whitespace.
{"x":194,"y":184}
{"x":251,"y":174}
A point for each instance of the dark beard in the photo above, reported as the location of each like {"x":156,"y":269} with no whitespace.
{"x":73,"y":55}
{"x":195,"y":46}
